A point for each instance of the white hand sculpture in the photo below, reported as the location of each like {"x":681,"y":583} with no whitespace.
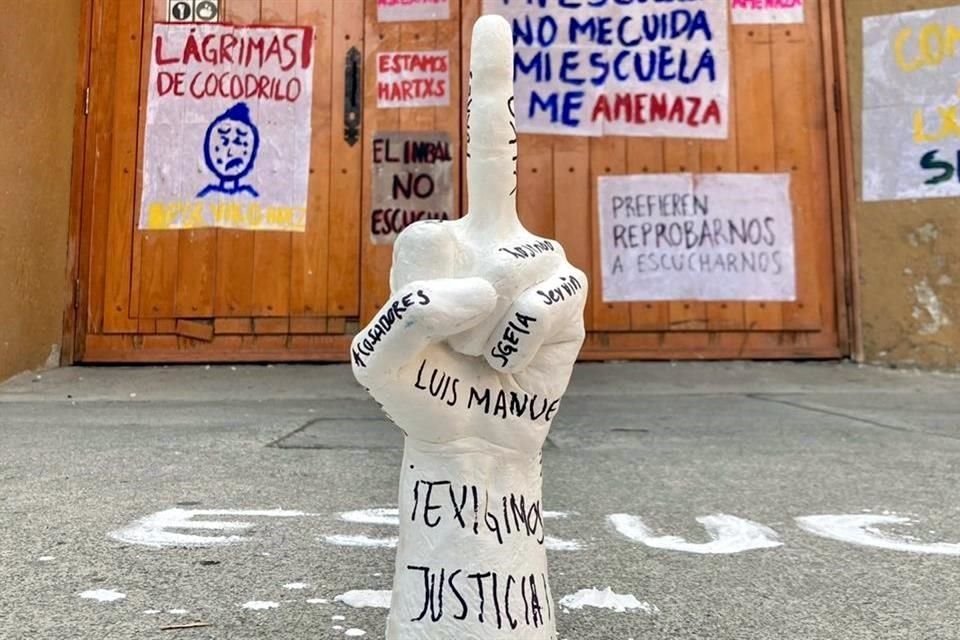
{"x":470,"y":358}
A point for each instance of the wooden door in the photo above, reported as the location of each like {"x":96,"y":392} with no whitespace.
{"x":227,"y":295}
{"x":217,"y":294}
{"x":782,"y":120}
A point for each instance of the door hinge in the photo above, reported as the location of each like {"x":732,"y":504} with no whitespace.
{"x":86,"y":101}
{"x":76,"y":293}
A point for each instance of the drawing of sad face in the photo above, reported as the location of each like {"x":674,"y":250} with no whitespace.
{"x":231,"y":143}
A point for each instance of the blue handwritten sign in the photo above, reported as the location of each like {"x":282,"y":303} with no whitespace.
{"x":620,"y":67}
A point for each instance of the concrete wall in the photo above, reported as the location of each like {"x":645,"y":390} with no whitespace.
{"x":38,"y":64}
{"x":909,"y":250}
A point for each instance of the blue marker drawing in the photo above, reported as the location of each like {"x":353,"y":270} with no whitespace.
{"x":230,"y":151}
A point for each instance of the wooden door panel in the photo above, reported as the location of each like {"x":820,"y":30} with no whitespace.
{"x":234,"y":295}
{"x":99,"y":160}
{"x":608,"y":157}
{"x":571,"y":202}
{"x":646,"y":155}
{"x":375,"y":259}
{"x":346,"y":176}
{"x":309,"y":250}
{"x":272,"y":250}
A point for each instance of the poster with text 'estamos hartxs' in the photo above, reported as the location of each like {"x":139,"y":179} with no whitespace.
{"x":620,"y":67}
{"x":911,"y":105}
{"x":228,"y":127}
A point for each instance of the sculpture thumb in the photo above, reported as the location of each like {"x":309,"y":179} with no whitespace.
{"x":491,"y":132}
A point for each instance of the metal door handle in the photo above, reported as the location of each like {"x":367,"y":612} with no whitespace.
{"x":353,"y":97}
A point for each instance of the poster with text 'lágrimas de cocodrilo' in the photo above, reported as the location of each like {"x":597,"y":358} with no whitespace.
{"x":228,"y":127}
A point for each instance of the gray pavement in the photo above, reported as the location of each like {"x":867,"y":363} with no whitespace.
{"x":86,"y":452}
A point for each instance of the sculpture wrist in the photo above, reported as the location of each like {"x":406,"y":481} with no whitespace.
{"x":471,"y":558}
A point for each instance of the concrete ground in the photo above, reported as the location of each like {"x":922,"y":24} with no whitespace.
{"x":142,"y":453}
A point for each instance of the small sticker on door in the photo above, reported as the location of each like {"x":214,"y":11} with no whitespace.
{"x":193,"y":10}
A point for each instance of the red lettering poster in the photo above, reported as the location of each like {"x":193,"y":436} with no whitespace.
{"x":766,"y":11}
{"x":412,"y":10}
{"x":625,"y":68}
{"x":228,"y":127}
{"x":413,"y":79}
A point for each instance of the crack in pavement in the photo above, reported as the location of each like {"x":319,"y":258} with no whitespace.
{"x":839,"y":414}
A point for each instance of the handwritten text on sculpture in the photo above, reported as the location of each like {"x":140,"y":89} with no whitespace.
{"x":227,"y":127}
{"x":697,"y":237}
{"x":911,"y":122}
{"x":620,"y":68}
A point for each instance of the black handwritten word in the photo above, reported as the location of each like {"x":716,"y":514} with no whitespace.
{"x":691,"y":234}
{"x":771,"y":262}
{"x":384,"y":323}
{"x":387,"y":222}
{"x":569,"y":286}
{"x":507,"y":345}
{"x":514,"y":600}
{"x":519,"y":517}
{"x":501,"y":403}
{"x":665,"y":205}
{"x":529,"y":250}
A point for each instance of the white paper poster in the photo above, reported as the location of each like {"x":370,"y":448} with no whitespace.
{"x":680,"y":236}
{"x":766,"y":11}
{"x":412,"y":10}
{"x":413,"y":79}
{"x":228,"y":127}
{"x":412,"y":180}
{"x":911,"y":122}
{"x":658,"y":69}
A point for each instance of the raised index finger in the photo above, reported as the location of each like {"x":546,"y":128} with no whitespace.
{"x":491,"y":130}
